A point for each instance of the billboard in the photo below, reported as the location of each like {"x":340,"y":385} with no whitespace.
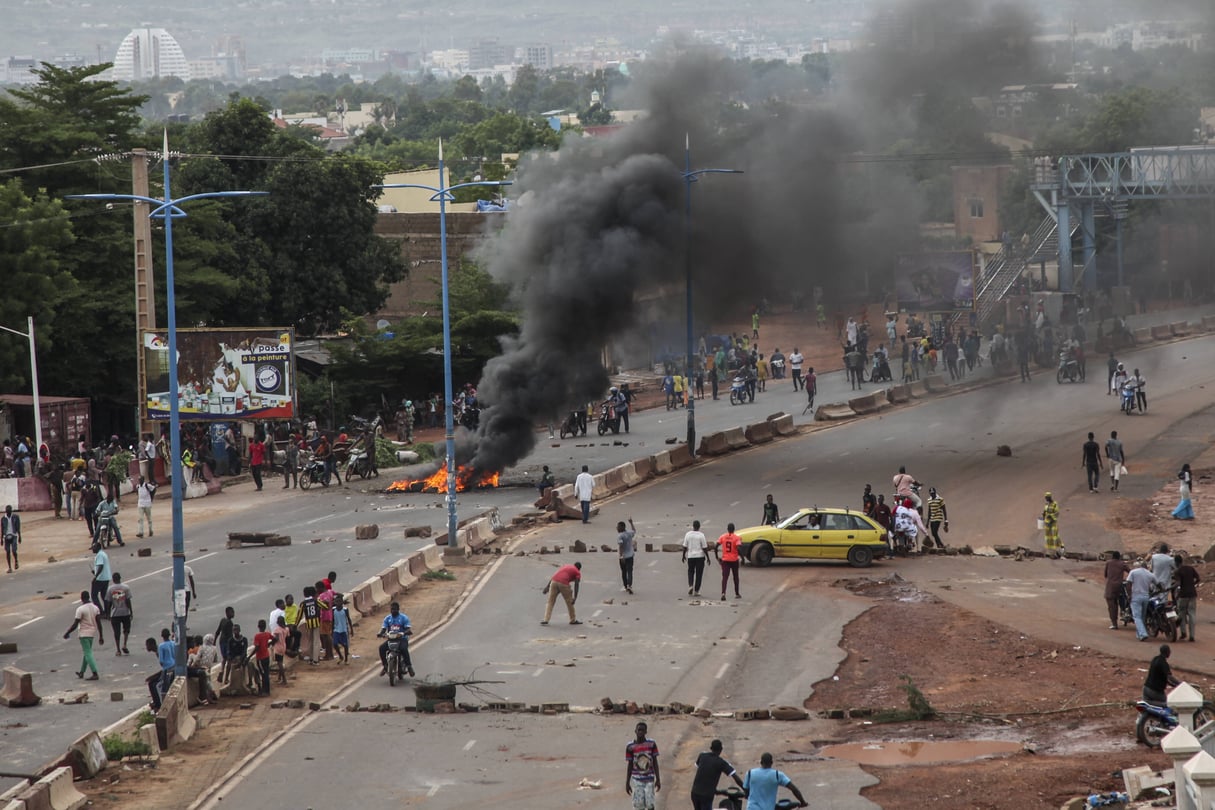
{"x":935,"y":282}
{"x":222,"y":374}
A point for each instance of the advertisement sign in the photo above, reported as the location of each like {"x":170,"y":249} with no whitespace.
{"x":222,"y":374}
{"x":935,"y":282}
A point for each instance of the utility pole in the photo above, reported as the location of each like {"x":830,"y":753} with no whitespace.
{"x":145,"y":298}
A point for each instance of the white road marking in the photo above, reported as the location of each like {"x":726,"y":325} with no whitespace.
{"x":430,"y":794}
{"x":31,"y":621}
{"x":703,"y":700}
{"x":745,"y":637}
{"x":783,"y":587}
{"x":803,"y":469}
{"x":721,"y":672}
{"x":934,"y":424}
{"x":510,"y":672}
{"x":169,"y":568}
{"x":762,"y":612}
{"x":736,"y":503}
{"x":469,"y":744}
{"x":890,"y":438}
{"x":538,"y":672}
{"x":845,"y":453}
{"x":595,"y":615}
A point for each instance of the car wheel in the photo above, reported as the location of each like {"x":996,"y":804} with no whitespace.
{"x":762,"y":554}
{"x":860,"y":557}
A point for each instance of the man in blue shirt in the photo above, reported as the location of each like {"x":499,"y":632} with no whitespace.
{"x":107,"y":513}
{"x":166,"y":654}
{"x":395,"y":620}
{"x":101,"y":579}
{"x":762,"y":783}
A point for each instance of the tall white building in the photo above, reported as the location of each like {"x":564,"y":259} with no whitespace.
{"x":149,"y":53}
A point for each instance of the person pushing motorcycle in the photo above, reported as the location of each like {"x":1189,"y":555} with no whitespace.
{"x":1159,"y":677}
{"x":398,"y":621}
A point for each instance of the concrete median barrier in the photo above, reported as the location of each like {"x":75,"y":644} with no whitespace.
{"x":174,"y":723}
{"x":833,"y":413}
{"x":936,"y":383}
{"x":681,"y":456}
{"x":661,"y":462}
{"x":601,"y":490}
{"x":782,"y":423}
{"x":18,"y":689}
{"x":1143,"y":334}
{"x":1208,"y":322}
{"x":644,"y":467}
{"x":614,"y":478}
{"x":8,"y":799}
{"x":62,"y":791}
{"x":405,"y":575}
{"x":86,"y":756}
{"x":863,"y":406}
{"x":713,"y":444}
{"x":389,"y":583}
{"x":362,"y":598}
{"x":379,"y":597}
{"x":759,"y":433}
{"x":1180,"y":329}
{"x":629,"y":476}
{"x":898,"y":394}
{"x":1162,"y":332}
{"x":918,"y":389}
{"x":433,"y":556}
{"x":736,"y":438}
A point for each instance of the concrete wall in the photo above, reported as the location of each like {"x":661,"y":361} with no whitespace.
{"x":985,"y":183}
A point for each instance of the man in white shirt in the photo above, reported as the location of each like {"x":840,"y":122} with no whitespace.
{"x":1140,"y":389}
{"x":144,"y":491}
{"x":584,"y":486}
{"x":795,"y":365}
{"x":695,"y":554}
{"x":147,"y":457}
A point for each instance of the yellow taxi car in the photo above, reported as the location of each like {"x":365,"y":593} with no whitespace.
{"x":817,"y":534}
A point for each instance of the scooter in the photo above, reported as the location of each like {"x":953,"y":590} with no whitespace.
{"x":734,"y":798}
{"x":1069,"y":369}
{"x":398,"y":644}
{"x":362,"y":465}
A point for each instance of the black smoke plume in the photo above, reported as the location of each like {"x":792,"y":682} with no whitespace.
{"x":602,"y":220}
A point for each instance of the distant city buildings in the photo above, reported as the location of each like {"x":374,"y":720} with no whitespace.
{"x":150,"y":53}
{"x":18,"y":70}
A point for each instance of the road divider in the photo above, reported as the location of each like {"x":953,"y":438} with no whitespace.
{"x":18,"y":689}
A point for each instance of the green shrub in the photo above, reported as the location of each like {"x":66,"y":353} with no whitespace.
{"x":116,"y":748}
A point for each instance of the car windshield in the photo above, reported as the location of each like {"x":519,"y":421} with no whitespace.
{"x":804,"y":519}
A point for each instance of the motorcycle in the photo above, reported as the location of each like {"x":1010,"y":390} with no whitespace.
{"x":881,"y":370}
{"x":608,"y":419}
{"x":1156,"y":720}
{"x":1160,"y":617}
{"x":398,"y":644}
{"x":734,"y":798}
{"x":572,"y":425}
{"x":778,"y":368}
{"x":105,"y":531}
{"x":313,"y":472}
{"x":1128,"y":399}
{"x":1069,"y":369}
{"x":361,"y":464}
{"x":470,"y":417}
{"x":738,"y":391}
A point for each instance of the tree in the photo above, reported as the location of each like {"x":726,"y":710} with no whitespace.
{"x":466,"y":89}
{"x":35,"y":231}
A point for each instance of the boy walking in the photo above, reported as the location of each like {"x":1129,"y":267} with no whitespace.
{"x":87,"y":621}
{"x":341,"y":629}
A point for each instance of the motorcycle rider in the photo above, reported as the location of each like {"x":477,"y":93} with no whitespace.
{"x":395,"y":620}
{"x":1140,"y":396}
{"x":776,"y":362}
{"x":107,"y":514}
{"x":1159,"y":677}
{"x":1119,"y":379}
{"x":903,"y":487}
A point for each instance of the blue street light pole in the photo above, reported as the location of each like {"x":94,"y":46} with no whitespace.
{"x":442,"y":194}
{"x":167,"y":209}
{"x":690,"y":177}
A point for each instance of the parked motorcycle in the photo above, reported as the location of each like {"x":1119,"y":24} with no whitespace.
{"x":1069,"y":369}
{"x":398,"y":644}
{"x":608,"y":419}
{"x":313,"y":473}
{"x":1155,"y":720}
{"x":361,"y":464}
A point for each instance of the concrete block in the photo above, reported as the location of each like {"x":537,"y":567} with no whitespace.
{"x":417,"y":531}
{"x":783,"y":424}
{"x":8,"y":647}
{"x":833,"y":413}
{"x":86,"y":756}
{"x":936,"y":383}
{"x":863,"y":406}
{"x":143,"y":552}
{"x":174,"y":723}
{"x":8,"y":799}
{"x":918,"y":389}
{"x":366,"y":531}
{"x":736,"y":438}
{"x":661,"y":462}
{"x":713,"y":444}
{"x":361,"y":598}
{"x":680,"y":456}
{"x":1208,"y":323}
{"x":1143,"y":334}
{"x":601,"y":490}
{"x":644,"y":468}
{"x":1180,"y":328}
{"x":614,"y":478}
{"x":18,"y":689}
{"x":789,"y":713}
{"x":672,"y":548}
{"x":898,"y":394}
{"x":1143,"y":778}
{"x":759,"y":433}
{"x":1162,"y":332}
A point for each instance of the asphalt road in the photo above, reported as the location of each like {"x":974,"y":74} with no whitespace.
{"x":767,"y":649}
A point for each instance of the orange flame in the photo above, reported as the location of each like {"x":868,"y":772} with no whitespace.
{"x":466,"y":478}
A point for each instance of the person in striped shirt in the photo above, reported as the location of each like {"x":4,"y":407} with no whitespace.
{"x":937,"y":515}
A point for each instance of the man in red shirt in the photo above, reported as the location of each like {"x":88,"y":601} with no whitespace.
{"x":262,"y":642}
{"x":257,"y":457}
{"x":565,"y":577}
{"x":726,"y":552}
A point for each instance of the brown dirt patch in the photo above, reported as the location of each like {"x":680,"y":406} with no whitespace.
{"x":228,"y":733}
{"x":1145,"y":522}
{"x":986,"y":681}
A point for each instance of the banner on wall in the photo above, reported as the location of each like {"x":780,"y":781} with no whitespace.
{"x":935,"y":282}
{"x":222,"y":374}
